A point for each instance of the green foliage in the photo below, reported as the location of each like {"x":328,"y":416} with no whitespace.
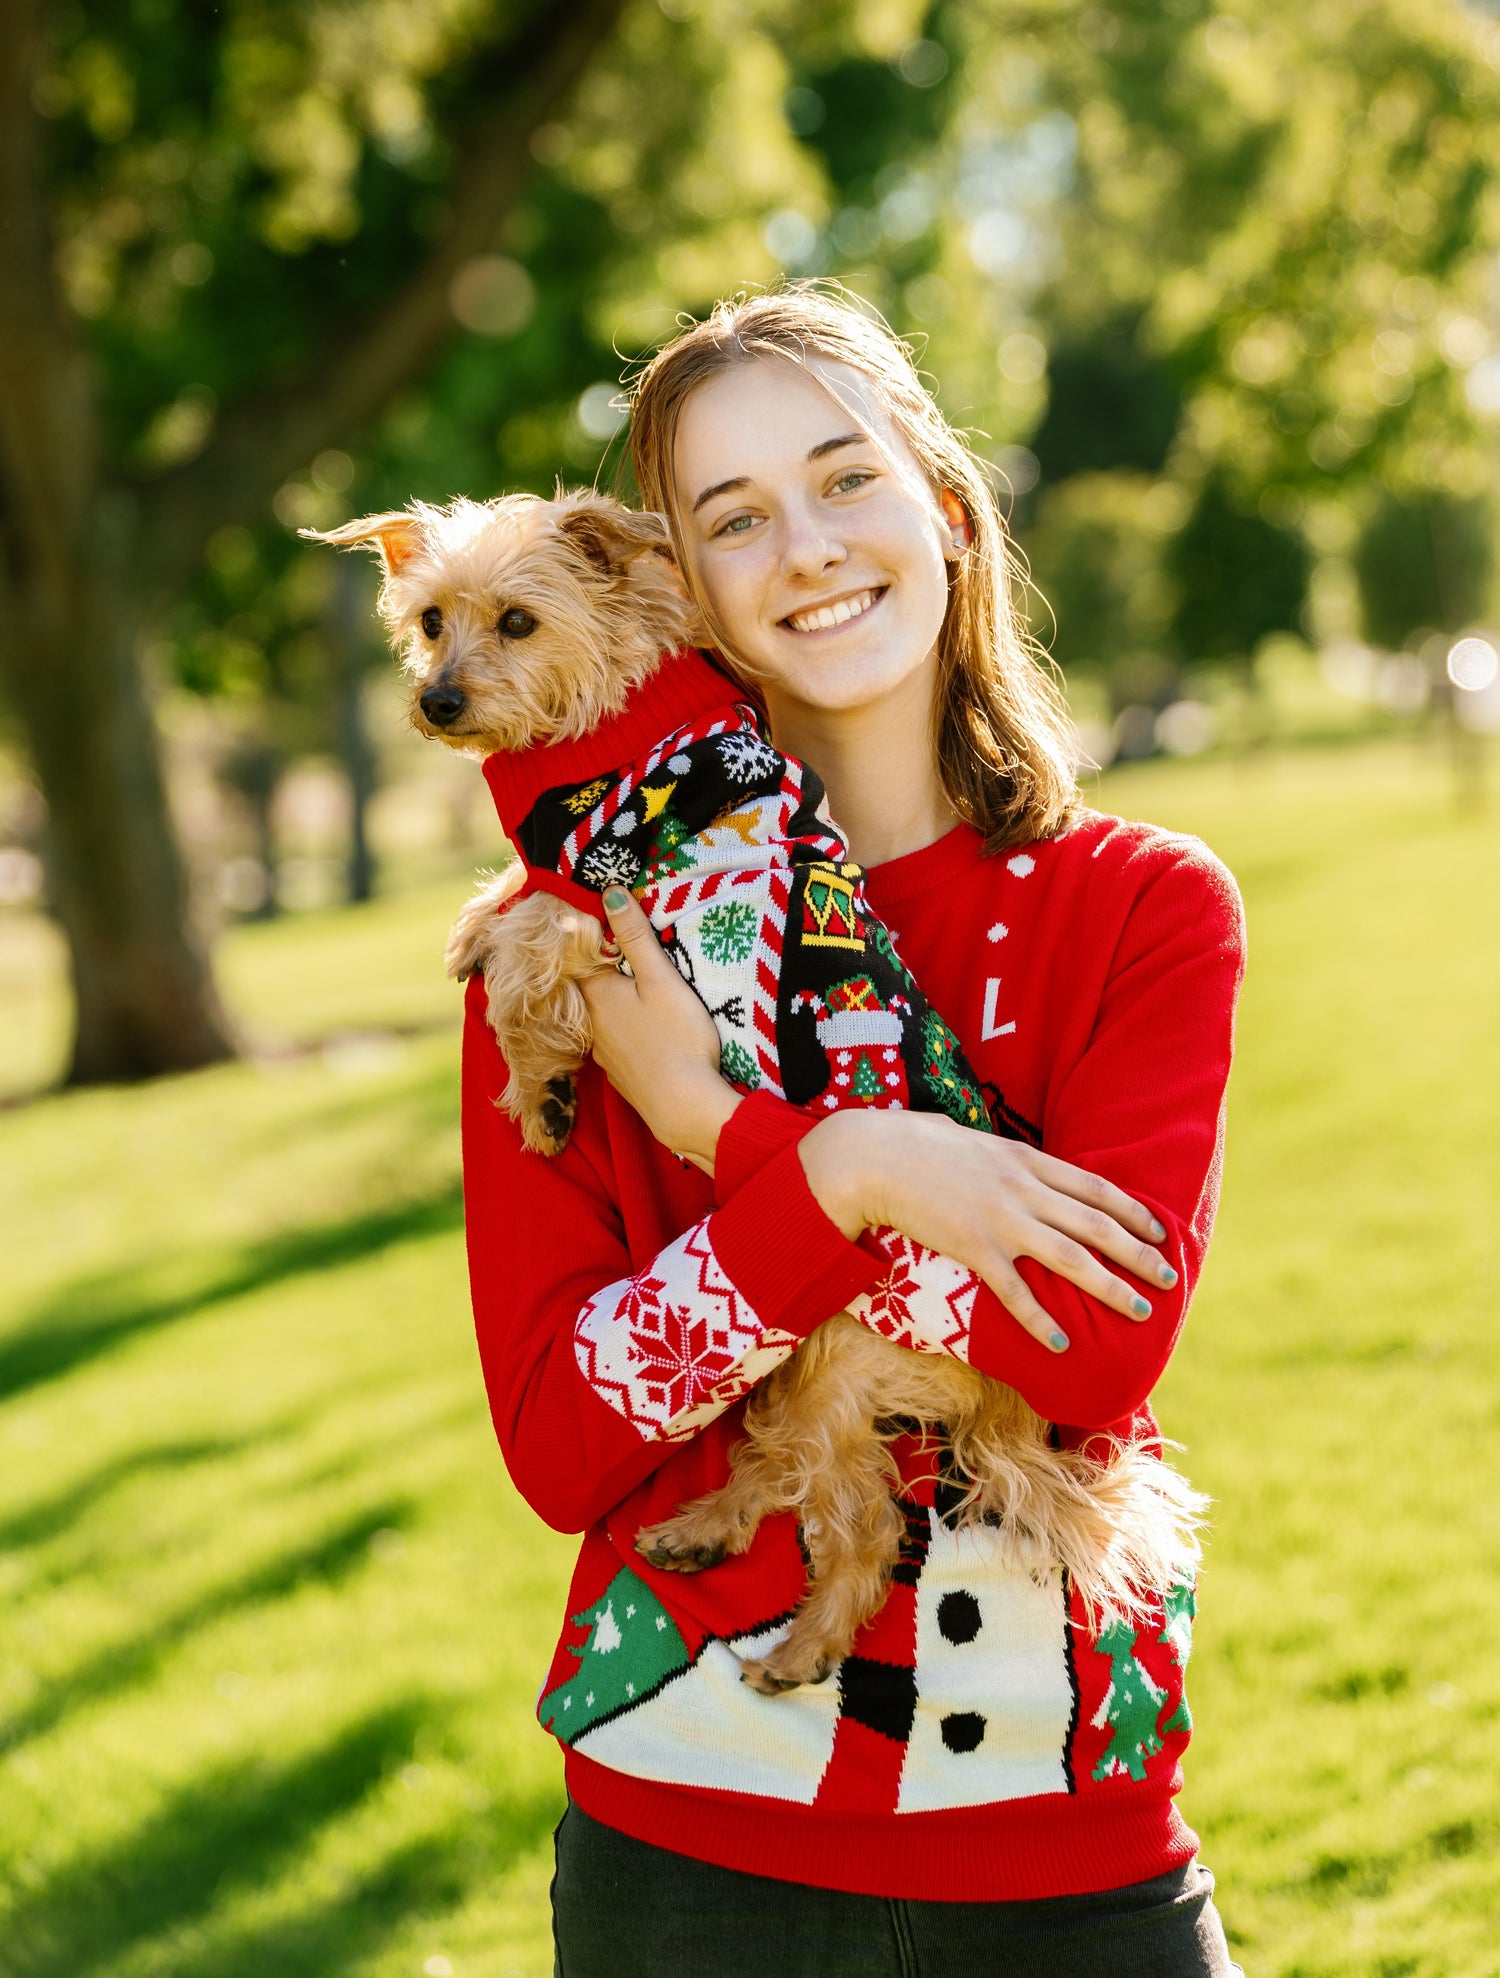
{"x":1238,"y":577}
{"x":1111,"y":405}
{"x":1123,"y":237}
{"x":1425,"y":565}
{"x":1103,"y":596}
{"x":1270,"y":291}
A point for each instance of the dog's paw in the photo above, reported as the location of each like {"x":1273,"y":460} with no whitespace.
{"x":558,"y":1110}
{"x":776,"y":1673}
{"x":662,"y":1548}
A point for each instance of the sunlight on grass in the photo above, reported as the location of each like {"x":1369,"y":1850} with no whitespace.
{"x":276,"y":1617}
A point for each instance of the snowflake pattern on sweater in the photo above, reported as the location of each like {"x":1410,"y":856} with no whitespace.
{"x":673,"y":1346}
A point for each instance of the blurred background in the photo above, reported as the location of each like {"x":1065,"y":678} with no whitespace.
{"x":1216,"y":292}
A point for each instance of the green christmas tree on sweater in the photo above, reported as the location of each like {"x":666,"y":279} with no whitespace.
{"x":667,"y":854}
{"x":1181,"y":1606}
{"x":633,"y":1646}
{"x":1130,"y":1708}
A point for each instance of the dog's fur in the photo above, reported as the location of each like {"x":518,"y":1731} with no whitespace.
{"x":818,"y":1431}
{"x":606,"y":605}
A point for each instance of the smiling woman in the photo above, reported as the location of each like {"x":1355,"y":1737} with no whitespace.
{"x":988,"y":1778}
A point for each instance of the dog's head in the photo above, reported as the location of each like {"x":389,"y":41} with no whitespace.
{"x":520,"y":618}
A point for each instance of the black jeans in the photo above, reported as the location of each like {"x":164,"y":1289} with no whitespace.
{"x":624,"y":1909}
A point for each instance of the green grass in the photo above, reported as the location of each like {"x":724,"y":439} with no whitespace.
{"x":274,"y":1617}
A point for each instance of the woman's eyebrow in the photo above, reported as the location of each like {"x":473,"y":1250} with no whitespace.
{"x":720,"y":487}
{"x":817,"y":452}
{"x":832,"y":446}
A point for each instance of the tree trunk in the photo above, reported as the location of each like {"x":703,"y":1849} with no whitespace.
{"x":349,"y":637}
{"x":144,"y":999}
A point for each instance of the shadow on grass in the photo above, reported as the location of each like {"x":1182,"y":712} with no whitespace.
{"x":425,"y":1877}
{"x":234,"y":1831}
{"x":38,"y":1523}
{"x":122,"y":1665}
{"x":91,"y":1318}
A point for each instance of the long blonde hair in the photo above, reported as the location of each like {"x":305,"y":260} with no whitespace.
{"x":1005,"y":744}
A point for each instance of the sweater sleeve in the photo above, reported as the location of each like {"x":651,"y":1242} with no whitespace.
{"x":1143,"y":1105}
{"x":597,"y":1366}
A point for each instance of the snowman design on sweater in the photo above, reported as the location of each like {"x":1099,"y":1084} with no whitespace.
{"x":909,"y":1724}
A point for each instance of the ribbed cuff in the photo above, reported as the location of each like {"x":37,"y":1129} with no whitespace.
{"x":794,"y":1267}
{"x":758,"y":1129}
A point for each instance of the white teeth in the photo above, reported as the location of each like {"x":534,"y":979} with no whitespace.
{"x":832,"y":614}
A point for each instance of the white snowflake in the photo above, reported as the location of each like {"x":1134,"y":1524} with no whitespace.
{"x":746,"y":757}
{"x":609,"y":865}
{"x":1021,"y":864}
{"x":999,"y":931}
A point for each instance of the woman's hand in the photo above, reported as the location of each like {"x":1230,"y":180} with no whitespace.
{"x":985,"y":1202}
{"x":656,"y":1043}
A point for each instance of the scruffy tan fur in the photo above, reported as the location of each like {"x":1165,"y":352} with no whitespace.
{"x":606,"y":605}
{"x":1122,"y":1525}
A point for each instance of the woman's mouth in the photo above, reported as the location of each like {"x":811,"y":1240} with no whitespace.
{"x":824,"y":617}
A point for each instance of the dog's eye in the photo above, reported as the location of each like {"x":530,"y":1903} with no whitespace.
{"x":432,"y":621}
{"x":516,"y":624}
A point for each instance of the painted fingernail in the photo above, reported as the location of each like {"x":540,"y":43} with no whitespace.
{"x":1167,"y":1275}
{"x":1158,"y":1230}
{"x":615,"y":897}
{"x":1141,"y":1309}
{"x":1058,"y":1341}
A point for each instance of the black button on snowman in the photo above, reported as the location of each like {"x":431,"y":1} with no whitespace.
{"x":958,"y":1620}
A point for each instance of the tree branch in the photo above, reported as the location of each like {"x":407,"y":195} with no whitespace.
{"x":525,"y":83}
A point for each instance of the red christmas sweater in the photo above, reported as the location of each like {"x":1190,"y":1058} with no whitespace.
{"x":980,"y":1743}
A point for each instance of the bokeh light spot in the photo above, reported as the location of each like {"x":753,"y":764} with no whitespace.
{"x":493,"y":296}
{"x":600,"y":412}
{"x":1472,"y":664}
{"x":922,"y":63}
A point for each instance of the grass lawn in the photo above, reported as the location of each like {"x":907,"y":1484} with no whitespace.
{"x":274,"y":1618}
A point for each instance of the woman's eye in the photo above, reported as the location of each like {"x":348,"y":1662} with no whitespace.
{"x":432,"y":621}
{"x":516,"y":624}
{"x":736,"y":525}
{"x":847,"y":483}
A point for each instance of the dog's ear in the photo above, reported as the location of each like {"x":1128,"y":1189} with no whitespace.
{"x":610,"y":534}
{"x":396,"y":536}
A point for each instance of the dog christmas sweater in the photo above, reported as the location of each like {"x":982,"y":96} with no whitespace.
{"x":980,"y":1742}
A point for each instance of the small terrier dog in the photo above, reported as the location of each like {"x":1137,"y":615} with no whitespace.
{"x":527,"y":623}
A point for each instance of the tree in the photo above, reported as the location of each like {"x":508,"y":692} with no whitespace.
{"x":1238,"y":576}
{"x":99,"y":525}
{"x":238,"y":243}
{"x":1284,"y":218}
{"x":1424,"y":565}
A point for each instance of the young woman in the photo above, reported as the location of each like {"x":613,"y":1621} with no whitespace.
{"x":987,"y":1783}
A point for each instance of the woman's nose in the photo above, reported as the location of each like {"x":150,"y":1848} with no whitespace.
{"x":809,"y":547}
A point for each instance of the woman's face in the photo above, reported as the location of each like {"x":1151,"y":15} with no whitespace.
{"x":820,"y":555}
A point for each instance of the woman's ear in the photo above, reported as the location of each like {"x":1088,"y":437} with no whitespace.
{"x":960,"y":528}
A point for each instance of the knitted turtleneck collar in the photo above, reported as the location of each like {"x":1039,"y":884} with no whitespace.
{"x":683,"y":688}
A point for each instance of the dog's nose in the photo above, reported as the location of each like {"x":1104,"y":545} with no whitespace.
{"x":442,"y":705}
